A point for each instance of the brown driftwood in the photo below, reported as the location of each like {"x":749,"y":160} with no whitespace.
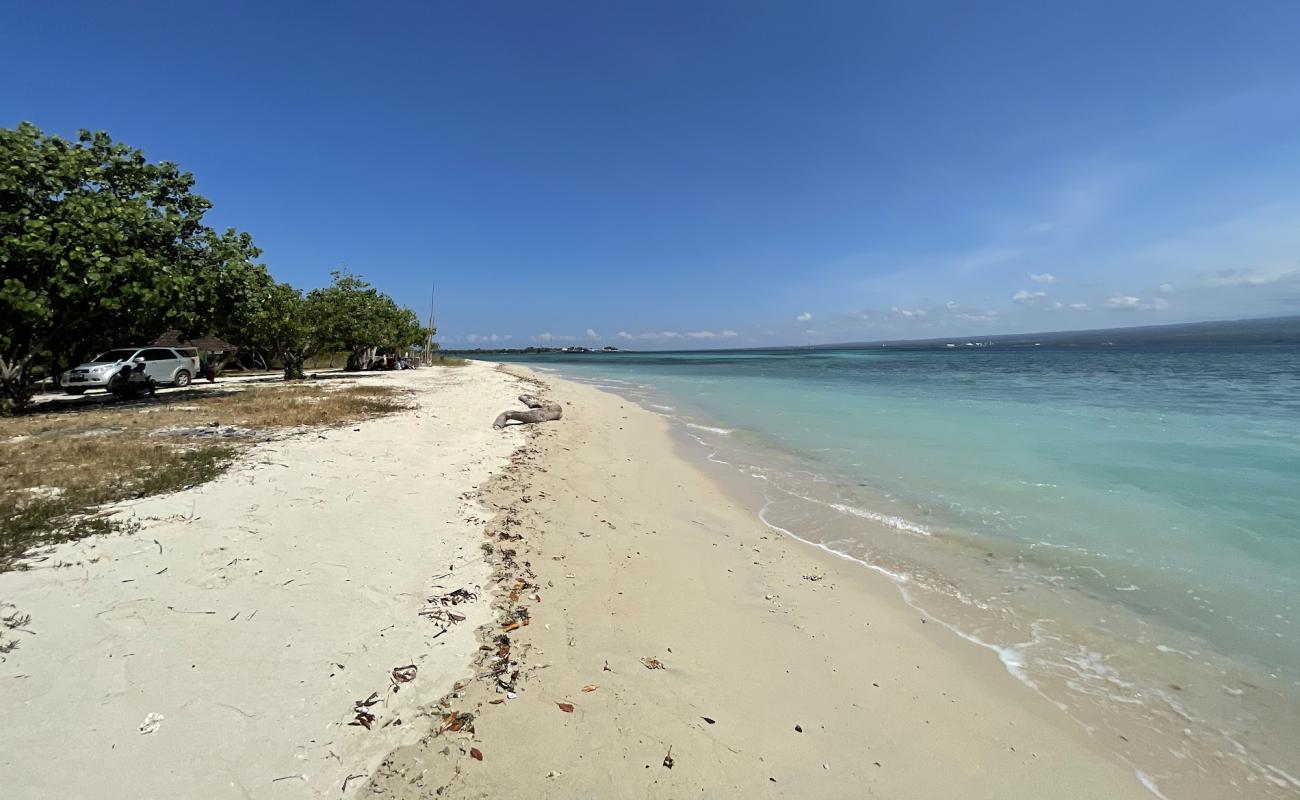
{"x":538,"y":411}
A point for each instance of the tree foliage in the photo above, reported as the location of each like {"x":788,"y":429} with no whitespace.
{"x":282,"y":323}
{"x":356,"y":318}
{"x":100,"y":247}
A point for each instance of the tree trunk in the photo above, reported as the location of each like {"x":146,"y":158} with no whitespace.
{"x":360,"y":358}
{"x":539,"y":411}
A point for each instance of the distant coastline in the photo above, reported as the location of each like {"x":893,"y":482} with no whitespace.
{"x":1262,"y":331}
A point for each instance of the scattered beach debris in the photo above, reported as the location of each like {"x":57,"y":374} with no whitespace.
{"x":566,"y":707}
{"x":299,"y":777}
{"x":668,"y":759}
{"x":539,"y":411}
{"x":364,"y":718}
{"x":455,"y":598}
{"x":651,"y":662}
{"x":813,"y":578}
{"x":709,"y":720}
{"x":152,"y":722}
{"x":476,"y":754}
{"x":349,"y":779}
{"x":798,"y":729}
{"x":606,"y":667}
{"x":457,"y":721}
{"x":591,"y":687}
{"x":12,"y":620}
{"x":404,"y":674}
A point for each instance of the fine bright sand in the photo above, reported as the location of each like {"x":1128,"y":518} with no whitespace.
{"x":246,"y":617}
{"x":276,"y":597}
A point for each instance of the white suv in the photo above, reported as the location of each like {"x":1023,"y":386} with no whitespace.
{"x":172,"y":365}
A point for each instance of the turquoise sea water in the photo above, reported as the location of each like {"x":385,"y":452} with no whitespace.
{"x":1122,"y":523}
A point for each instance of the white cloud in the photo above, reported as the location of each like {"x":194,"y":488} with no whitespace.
{"x":1027,"y":298}
{"x":545,"y":337}
{"x":475,"y":338}
{"x":804,"y":317}
{"x":1127,"y":302}
{"x":986,"y":316}
{"x":951,"y":305}
{"x":1252,"y":277}
{"x":1042,"y":277}
{"x":591,"y":334}
{"x":702,"y":335}
{"x":1167,"y":288}
{"x":1079,"y":306}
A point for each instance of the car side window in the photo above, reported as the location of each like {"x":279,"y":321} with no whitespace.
{"x":158,"y":354}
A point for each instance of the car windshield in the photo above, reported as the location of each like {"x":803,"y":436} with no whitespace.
{"x":115,"y":355}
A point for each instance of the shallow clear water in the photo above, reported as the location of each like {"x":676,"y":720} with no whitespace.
{"x":1154,"y":491}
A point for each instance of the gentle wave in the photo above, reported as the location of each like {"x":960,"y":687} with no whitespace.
{"x":721,"y":431}
{"x":888,"y":520}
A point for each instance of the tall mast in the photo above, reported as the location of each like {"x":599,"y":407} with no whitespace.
{"x":428,"y":342}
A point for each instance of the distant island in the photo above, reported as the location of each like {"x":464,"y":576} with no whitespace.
{"x":533,"y":350}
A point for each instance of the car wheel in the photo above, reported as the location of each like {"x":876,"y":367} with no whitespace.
{"x":116,"y":382}
{"x":78,"y":390}
{"x":182,"y":378}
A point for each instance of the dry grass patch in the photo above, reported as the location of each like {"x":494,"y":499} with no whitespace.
{"x":57,"y":469}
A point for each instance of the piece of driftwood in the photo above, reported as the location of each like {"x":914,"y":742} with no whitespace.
{"x":538,"y":411}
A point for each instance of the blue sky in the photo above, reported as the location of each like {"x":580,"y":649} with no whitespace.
{"x":718,"y":174}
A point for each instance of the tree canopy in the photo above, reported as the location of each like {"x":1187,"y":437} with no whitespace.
{"x":356,"y":318}
{"x":100,"y":248}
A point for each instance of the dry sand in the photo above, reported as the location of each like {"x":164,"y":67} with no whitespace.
{"x":786,"y":672}
{"x":250,"y":613}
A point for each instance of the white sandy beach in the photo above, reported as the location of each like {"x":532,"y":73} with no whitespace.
{"x":247,"y":615}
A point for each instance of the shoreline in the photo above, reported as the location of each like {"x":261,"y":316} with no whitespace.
{"x":1173,"y":715}
{"x":787,"y":671}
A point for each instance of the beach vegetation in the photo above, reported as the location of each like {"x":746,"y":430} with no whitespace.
{"x":100,"y":246}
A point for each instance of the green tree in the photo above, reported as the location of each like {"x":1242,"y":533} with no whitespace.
{"x":356,"y":318}
{"x":285,"y":325}
{"x":99,"y":247}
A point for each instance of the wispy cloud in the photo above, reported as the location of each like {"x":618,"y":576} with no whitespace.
{"x":1042,"y":277}
{"x":1025,"y":297}
{"x":665,"y":335}
{"x":804,"y":317}
{"x":1127,"y":302}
